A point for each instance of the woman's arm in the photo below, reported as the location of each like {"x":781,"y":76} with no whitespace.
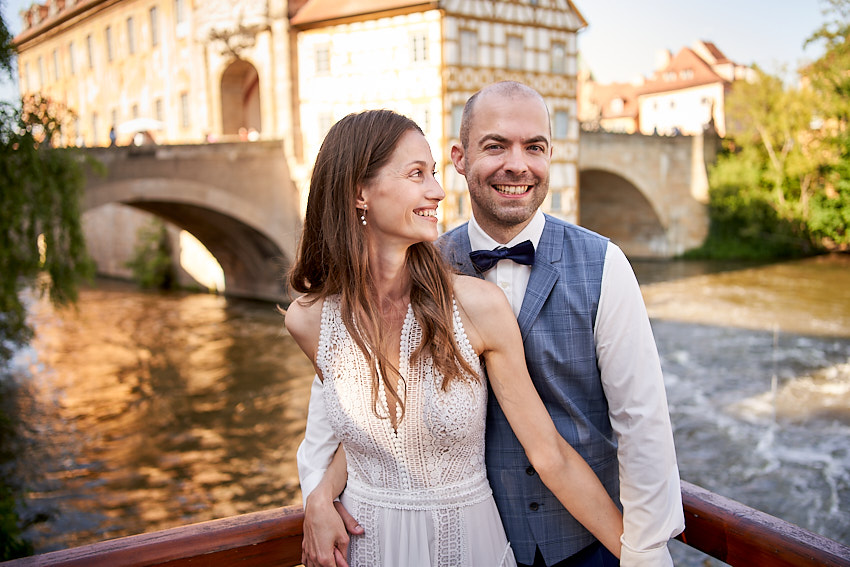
{"x":494,"y":333}
{"x":326,"y":525}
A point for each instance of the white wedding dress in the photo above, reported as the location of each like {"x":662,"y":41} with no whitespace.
{"x":421,"y":492}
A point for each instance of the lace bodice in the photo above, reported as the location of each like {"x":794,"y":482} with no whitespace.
{"x":439,"y":443}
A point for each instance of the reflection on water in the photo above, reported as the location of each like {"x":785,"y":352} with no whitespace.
{"x":146,"y":411}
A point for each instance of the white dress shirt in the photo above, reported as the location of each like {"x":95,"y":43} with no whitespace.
{"x":628,"y":361}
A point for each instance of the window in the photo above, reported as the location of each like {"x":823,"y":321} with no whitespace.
{"x":40,"y":72}
{"x":131,"y":36}
{"x":559,"y":58}
{"x":154,"y":27}
{"x":617,"y":106}
{"x":468,"y":47}
{"x":323,"y":59}
{"x":515,"y":52}
{"x":72,"y":66}
{"x":179,"y":12}
{"x":90,"y":50}
{"x":158,"y":109}
{"x":114,"y":122}
{"x":325,"y":121}
{"x":109,"y":52}
{"x":135,"y":111}
{"x":55,"y":64}
{"x":27,"y":78}
{"x":419,"y":47}
{"x":184,"y":110}
{"x":686,"y":74}
{"x":556,"y":201}
{"x":94,"y":126}
{"x":457,"y":115}
{"x":561,"y":124}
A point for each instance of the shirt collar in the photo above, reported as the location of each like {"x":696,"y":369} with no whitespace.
{"x":480,"y":240}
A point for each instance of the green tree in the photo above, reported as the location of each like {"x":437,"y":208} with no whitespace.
{"x":41,"y":237}
{"x":830,"y":79}
{"x":780,"y":186}
{"x":7,"y":51}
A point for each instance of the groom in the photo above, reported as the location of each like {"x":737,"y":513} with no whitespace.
{"x":588,"y":343}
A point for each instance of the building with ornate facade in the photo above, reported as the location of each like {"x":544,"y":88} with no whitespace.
{"x":196,"y":71}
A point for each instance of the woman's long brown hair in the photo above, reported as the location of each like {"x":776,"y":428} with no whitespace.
{"x":332,"y":254}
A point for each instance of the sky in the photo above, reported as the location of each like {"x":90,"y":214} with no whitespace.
{"x":623,"y":37}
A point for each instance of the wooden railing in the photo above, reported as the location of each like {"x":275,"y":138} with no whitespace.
{"x":717,"y":526}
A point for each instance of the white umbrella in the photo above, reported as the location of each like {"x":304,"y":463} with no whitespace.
{"x":140,"y":125}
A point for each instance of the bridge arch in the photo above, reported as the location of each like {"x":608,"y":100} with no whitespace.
{"x":612,"y":205}
{"x":648,"y":193}
{"x":236,"y":199}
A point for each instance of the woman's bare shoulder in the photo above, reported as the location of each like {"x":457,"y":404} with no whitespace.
{"x":303,"y":317}
{"x":482,"y":301}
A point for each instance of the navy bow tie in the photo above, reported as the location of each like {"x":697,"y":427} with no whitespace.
{"x":522,"y":253}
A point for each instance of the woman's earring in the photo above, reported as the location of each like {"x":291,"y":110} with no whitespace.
{"x":363,"y":216}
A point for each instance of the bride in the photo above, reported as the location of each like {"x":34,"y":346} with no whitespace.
{"x":401,"y":344}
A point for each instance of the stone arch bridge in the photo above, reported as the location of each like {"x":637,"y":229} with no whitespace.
{"x":647,"y":193}
{"x":237,"y":199}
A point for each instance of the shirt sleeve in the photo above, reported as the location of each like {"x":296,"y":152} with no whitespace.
{"x":319,"y":445}
{"x":650,"y":490}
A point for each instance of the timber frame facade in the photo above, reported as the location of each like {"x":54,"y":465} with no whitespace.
{"x":209,"y":70}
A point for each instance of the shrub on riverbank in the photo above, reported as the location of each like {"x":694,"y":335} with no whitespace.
{"x":151,"y":263}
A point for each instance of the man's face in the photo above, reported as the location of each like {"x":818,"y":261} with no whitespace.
{"x":506,"y":163}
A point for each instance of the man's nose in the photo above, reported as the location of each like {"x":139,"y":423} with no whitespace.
{"x":515,"y":160}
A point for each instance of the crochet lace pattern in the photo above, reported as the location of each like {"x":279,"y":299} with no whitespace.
{"x":434,"y":461}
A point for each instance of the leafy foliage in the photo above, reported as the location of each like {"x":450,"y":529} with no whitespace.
{"x":7,"y":50}
{"x":781,"y":186}
{"x":151,"y":263}
{"x":41,"y":237}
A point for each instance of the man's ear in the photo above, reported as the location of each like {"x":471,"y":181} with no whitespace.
{"x":457,"y":158}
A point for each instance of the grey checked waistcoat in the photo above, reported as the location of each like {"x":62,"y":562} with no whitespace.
{"x":556,"y":321}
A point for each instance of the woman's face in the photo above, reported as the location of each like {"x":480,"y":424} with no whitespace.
{"x":402,"y":198}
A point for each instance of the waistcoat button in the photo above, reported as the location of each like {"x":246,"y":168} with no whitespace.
{"x":534,"y":506}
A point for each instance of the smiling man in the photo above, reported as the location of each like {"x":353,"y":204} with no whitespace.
{"x":587,"y":339}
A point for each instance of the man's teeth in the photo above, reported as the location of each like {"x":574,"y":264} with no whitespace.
{"x":512,"y":189}
{"x":427,"y":213}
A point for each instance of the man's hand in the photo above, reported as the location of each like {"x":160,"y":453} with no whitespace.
{"x":326,"y":534}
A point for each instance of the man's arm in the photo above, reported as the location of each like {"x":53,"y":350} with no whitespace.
{"x":326,"y":524}
{"x":650,"y":490}
{"x":319,"y":445}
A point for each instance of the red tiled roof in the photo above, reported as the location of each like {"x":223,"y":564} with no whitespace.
{"x":314,"y":11}
{"x":718,"y":55}
{"x":688,"y":70}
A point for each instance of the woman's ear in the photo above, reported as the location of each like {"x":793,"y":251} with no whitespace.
{"x":360,"y":201}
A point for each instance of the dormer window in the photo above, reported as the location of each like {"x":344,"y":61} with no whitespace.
{"x":617,"y":105}
{"x":686,"y":74}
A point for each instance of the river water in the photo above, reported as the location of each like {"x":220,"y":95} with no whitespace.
{"x":142,"y":411}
